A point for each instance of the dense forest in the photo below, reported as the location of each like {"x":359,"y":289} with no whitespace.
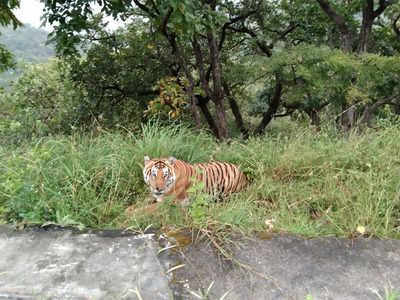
{"x":303,"y":95}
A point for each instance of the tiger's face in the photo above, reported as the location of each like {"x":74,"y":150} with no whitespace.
{"x":159,"y":175}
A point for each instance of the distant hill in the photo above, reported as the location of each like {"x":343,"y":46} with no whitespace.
{"x":27,"y":44}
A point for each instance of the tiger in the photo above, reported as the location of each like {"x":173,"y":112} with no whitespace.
{"x":168,"y":177}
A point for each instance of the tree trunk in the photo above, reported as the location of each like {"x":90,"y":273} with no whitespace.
{"x":202,"y":102}
{"x":190,"y":86}
{"x":313,"y":115}
{"x":218,"y":93}
{"x":273,"y":108}
{"x":200,"y":66}
{"x":171,"y":37}
{"x":236,"y":111}
{"x":193,"y":104}
{"x":366,"y":26}
{"x":348,"y":114}
{"x":368,"y":113}
{"x":340,"y":23}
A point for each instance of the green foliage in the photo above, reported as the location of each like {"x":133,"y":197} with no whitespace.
{"x":199,"y":203}
{"x":41,"y":102}
{"x":317,"y":76}
{"x":66,"y":181}
{"x":7,"y":17}
{"x":176,"y":140}
{"x":171,"y":101}
{"x":6,"y":59}
{"x":310,"y":182}
{"x":297,"y":39}
{"x":118,"y":74}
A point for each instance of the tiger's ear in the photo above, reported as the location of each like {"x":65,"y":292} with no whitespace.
{"x":172,"y":160}
{"x":146,"y":159}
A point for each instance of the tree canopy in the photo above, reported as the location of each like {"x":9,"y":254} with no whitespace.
{"x":310,"y":56}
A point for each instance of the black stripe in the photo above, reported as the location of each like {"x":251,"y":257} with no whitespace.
{"x":202,"y":172}
{"x":238,"y":179}
{"x":217,"y":175}
{"x":212,"y":183}
{"x":223,"y":179}
{"x":230,"y":178}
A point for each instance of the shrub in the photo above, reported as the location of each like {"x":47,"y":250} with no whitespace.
{"x":41,"y":102}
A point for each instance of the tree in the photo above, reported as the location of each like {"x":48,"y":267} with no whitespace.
{"x":202,"y":35}
{"x":7,"y":17}
{"x":370,"y":11}
{"x":119,"y":71}
{"x":212,"y":43}
{"x":42,"y":101}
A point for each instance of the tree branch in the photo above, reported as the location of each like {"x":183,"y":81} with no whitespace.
{"x":383,"y":4}
{"x":266,"y":49}
{"x":155,"y":6}
{"x":165,"y":21}
{"x":395,"y":28}
{"x":338,"y":20}
{"x":273,"y":107}
{"x":144,"y":8}
{"x":233,"y":21}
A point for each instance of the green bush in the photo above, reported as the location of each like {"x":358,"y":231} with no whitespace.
{"x":41,"y":102}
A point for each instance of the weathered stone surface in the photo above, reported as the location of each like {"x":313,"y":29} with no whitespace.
{"x":114,"y":265}
{"x":290,"y":267}
{"x":64,"y":265}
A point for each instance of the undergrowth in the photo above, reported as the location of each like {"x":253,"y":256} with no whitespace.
{"x":306,"y":182}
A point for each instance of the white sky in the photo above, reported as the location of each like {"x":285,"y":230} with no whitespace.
{"x":30,"y":12}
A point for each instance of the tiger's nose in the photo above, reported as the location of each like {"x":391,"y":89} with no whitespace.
{"x":158,"y":189}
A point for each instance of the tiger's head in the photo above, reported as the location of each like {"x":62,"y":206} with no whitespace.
{"x":159,"y":175}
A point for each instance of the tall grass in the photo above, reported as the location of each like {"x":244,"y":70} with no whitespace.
{"x":86,"y":180}
{"x":309,"y":183}
{"x":315,"y":184}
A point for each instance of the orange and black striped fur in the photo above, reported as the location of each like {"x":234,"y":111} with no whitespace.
{"x":172,"y":177}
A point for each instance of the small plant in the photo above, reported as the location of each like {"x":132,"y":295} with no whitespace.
{"x":199,"y":202}
{"x":388,"y":294}
{"x":171,"y":100}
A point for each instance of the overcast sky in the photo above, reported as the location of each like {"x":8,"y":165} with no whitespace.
{"x":30,"y":12}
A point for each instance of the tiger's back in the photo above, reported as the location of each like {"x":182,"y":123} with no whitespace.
{"x":221,"y":177}
{"x":173,"y":177}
